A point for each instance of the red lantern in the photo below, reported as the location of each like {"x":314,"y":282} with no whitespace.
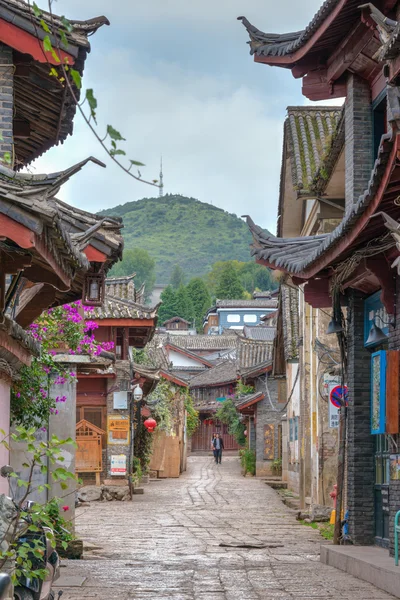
{"x":245,"y":432}
{"x":150,"y":424}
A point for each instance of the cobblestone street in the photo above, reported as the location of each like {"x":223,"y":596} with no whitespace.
{"x":167,"y":544}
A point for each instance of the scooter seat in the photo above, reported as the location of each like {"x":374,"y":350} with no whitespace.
{"x":5,"y":583}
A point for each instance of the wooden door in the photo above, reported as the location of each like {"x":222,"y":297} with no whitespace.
{"x":201,"y":440}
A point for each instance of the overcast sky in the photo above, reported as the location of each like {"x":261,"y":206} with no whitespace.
{"x":175,"y":77}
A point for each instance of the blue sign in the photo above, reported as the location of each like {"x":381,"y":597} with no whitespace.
{"x":220,"y":399}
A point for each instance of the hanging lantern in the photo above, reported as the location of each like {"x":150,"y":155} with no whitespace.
{"x":245,"y":432}
{"x":150,"y":424}
{"x":93,"y":289}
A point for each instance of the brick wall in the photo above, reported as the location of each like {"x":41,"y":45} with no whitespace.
{"x":394,"y":486}
{"x":359,"y":142}
{"x":361,"y":475}
{"x":6,"y":100}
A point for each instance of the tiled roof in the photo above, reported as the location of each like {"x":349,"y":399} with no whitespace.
{"x":116,"y":308}
{"x":256,"y":370}
{"x":21,"y":14}
{"x":309,"y":133}
{"x":253,"y":352}
{"x":259,"y":332}
{"x":204,"y":342}
{"x":249,"y":399}
{"x":176,"y":320}
{"x":122,"y":287}
{"x":272,"y":44}
{"x":257,"y":303}
{"x":290,"y":321}
{"x":294,"y":255}
{"x":224,"y":373}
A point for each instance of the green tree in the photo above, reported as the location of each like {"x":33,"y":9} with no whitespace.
{"x":201,"y":300}
{"x":183,"y":304}
{"x":168,"y":306}
{"x":229,"y":286}
{"x":177,"y":277}
{"x":140,"y":262}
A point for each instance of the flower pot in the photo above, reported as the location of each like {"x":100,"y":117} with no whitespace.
{"x":145,"y":479}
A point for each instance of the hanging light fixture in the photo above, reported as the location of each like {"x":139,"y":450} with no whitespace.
{"x":150,"y":424}
{"x":376,"y":335}
{"x":334,"y":327}
{"x":93,"y":289}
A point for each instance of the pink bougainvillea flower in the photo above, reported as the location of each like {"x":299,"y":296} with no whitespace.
{"x":65,"y":508}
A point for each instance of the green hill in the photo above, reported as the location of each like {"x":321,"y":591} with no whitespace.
{"x":184,"y":231}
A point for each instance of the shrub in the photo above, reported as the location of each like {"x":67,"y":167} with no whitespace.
{"x":248,"y":461}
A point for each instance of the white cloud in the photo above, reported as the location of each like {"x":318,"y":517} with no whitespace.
{"x":216,"y":117}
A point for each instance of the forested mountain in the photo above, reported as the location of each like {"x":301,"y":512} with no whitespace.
{"x":184,"y":231}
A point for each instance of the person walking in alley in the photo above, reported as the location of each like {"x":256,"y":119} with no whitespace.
{"x":214,"y":435}
{"x":218,"y":444}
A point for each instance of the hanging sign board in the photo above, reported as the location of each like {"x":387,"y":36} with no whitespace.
{"x":118,"y":464}
{"x":121,"y":400}
{"x":118,"y":429}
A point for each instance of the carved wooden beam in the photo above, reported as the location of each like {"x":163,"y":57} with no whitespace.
{"x":348,"y":50}
{"x":380,"y":267}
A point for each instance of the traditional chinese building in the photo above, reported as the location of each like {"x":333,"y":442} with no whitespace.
{"x":104,"y":397}
{"x":48,"y":250}
{"x":347,"y":270}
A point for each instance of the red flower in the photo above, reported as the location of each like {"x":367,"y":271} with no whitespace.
{"x":65,"y":508}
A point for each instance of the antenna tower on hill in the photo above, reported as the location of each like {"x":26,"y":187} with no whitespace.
{"x":161,"y":181}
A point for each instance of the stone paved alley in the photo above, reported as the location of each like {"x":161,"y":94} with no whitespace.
{"x":166,"y":544}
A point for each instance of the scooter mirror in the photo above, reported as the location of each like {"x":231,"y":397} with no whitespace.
{"x":6,"y":471}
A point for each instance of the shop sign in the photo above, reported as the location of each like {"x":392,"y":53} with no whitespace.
{"x":118,"y":429}
{"x":118,"y":464}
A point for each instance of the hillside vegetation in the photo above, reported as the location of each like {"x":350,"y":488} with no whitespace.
{"x":184,"y":231}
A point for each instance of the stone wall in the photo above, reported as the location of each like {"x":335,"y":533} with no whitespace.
{"x":267,"y":414}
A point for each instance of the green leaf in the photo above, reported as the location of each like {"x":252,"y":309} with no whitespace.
{"x":137,"y":163}
{"x":7,"y":158}
{"x":66,"y":24}
{"x":53,"y":72}
{"x":77,"y":78}
{"x":114,"y":134}
{"x":47,"y":45}
{"x":92,"y":103}
{"x":2,"y":430}
{"x":63,"y":485}
{"x":117,"y":152}
{"x":45,"y":27}
{"x":63,"y":37}
{"x":36,"y":10}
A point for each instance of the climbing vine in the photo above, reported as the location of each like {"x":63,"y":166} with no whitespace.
{"x":69,"y":78}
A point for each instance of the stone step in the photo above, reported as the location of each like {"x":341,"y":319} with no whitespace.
{"x":276,"y":484}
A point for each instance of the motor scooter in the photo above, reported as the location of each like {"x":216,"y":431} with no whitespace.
{"x":5,"y":585}
{"x":35,"y":588}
